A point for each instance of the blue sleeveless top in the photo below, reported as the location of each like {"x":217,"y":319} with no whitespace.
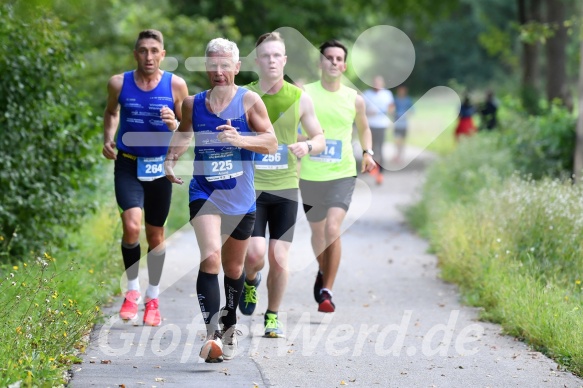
{"x":223,"y":174}
{"x":140,"y":112}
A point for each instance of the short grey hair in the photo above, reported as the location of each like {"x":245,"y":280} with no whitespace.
{"x":221,"y":45}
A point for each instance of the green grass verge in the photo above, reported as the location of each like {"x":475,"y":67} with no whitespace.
{"x":52,"y":301}
{"x":512,"y":245}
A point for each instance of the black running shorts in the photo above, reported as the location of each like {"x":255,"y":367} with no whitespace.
{"x":238,"y":227}
{"x":278,"y":209}
{"x":152,"y":196}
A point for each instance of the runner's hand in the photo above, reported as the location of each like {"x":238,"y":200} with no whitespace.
{"x":167,"y":115}
{"x":368,"y":163}
{"x":109,"y":150}
{"x":169,"y":164}
{"x":229,"y":134}
{"x":299,"y":149}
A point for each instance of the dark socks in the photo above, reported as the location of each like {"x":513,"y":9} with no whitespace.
{"x":252,"y":282}
{"x":131,"y":258}
{"x":209,"y":299}
{"x":233,"y":288}
{"x":155,"y":265}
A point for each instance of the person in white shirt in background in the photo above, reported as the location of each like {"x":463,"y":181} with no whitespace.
{"x":380,"y":105}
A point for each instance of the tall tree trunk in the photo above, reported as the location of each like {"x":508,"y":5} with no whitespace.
{"x":578,"y":161}
{"x":556,"y":53}
{"x":530,"y":11}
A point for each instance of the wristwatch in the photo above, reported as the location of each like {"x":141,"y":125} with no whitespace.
{"x":309,"y":146}
{"x":370,"y":152}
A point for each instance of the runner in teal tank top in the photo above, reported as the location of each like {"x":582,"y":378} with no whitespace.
{"x":328,"y":179}
{"x":222,"y":174}
{"x":276,"y":179}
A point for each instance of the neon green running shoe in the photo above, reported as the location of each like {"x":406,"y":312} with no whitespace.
{"x":248,"y":299}
{"x":273,"y":327}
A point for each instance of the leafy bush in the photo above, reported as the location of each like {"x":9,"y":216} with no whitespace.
{"x":542,"y":145}
{"x":48,"y":136}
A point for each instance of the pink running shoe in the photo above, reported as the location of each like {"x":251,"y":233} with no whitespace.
{"x":129,"y":308}
{"x":151,"y":313}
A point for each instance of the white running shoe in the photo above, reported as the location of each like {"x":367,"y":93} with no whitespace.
{"x":230,"y":342}
{"x":212,"y":350}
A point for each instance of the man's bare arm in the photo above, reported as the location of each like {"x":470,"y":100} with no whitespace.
{"x":111,"y":115}
{"x":180,"y":140}
{"x":364,"y":134}
{"x":312,"y":127}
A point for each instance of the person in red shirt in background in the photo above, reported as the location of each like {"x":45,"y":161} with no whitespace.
{"x":465,"y":126}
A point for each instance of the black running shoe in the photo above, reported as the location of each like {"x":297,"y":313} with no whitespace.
{"x":318,"y":286}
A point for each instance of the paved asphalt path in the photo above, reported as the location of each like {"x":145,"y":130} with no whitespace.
{"x":396,"y":324}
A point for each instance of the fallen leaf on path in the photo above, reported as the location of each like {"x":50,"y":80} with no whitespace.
{"x":159,"y":379}
{"x":106,"y":361}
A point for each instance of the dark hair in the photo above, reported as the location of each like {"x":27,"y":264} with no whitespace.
{"x":150,"y":34}
{"x":269,"y":37}
{"x":333,"y":43}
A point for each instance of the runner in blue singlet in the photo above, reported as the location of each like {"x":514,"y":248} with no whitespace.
{"x":144,"y":104}
{"x":229,"y":125}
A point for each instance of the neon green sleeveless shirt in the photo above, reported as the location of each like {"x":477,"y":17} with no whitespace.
{"x":278,"y":172}
{"x":336,"y":112}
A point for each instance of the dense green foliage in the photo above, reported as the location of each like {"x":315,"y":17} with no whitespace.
{"x":512,"y":243}
{"x":46,"y":169}
{"x":469,"y":62}
{"x":542,"y":145}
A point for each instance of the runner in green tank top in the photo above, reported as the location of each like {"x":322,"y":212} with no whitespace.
{"x":327,"y":180}
{"x":276,"y":179}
